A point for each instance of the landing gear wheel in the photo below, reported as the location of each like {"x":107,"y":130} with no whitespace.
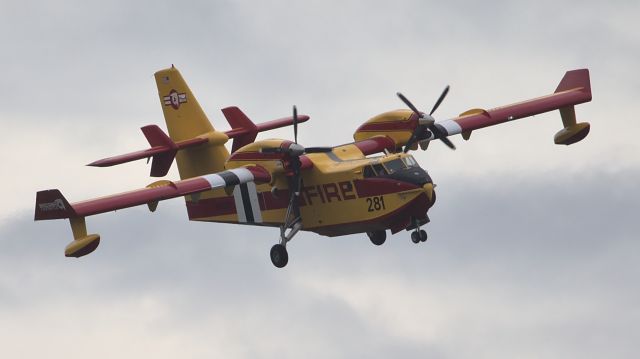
{"x":279,"y":255}
{"x":415,"y":237}
{"x":377,"y":237}
{"x":423,"y":235}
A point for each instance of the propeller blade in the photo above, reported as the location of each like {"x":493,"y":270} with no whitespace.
{"x":271,"y":150}
{"x":438,"y":134}
{"x":412,"y":140}
{"x":318,"y":149}
{"x":409,"y":104}
{"x":442,"y":96}
{"x":448,"y":143}
{"x":295,"y":124}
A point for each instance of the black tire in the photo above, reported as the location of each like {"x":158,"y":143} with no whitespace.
{"x":423,"y":235}
{"x":377,"y":237}
{"x":415,"y":237}
{"x":279,"y":255}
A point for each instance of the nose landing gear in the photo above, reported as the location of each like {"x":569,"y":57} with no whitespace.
{"x":418,"y":236}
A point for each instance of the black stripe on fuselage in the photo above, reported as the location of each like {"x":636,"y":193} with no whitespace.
{"x":246,"y":203}
{"x":230,"y":178}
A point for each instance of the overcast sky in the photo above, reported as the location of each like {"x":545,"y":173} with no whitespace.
{"x":533,"y":247}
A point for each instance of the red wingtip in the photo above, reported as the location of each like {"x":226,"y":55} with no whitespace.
{"x":575,"y":79}
{"x":51,"y":204}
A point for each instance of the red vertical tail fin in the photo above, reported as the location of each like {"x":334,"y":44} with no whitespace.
{"x":238,"y":120}
{"x":161,"y":161}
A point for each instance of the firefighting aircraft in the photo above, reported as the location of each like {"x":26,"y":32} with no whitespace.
{"x":370,"y":185}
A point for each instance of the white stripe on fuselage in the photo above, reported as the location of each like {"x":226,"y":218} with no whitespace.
{"x":237,"y":198}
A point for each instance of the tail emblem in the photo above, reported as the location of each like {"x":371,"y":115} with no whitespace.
{"x":174,"y":99}
{"x":52,"y":206}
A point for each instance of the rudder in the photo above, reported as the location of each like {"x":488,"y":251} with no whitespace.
{"x":185,"y":120}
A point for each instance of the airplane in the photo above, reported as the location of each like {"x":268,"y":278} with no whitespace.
{"x":371,"y":185}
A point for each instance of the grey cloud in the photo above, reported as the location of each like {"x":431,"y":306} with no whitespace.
{"x":529,"y":265}
{"x":529,"y":261}
{"x":312,"y":53}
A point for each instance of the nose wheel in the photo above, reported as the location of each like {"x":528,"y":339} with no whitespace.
{"x":279,"y":255}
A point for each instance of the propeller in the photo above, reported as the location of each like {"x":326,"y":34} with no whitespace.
{"x":295,"y":124}
{"x":426,"y":122}
{"x":294,"y":149}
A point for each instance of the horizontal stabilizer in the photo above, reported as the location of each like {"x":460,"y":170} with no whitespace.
{"x":244,"y":131}
{"x":163,"y":151}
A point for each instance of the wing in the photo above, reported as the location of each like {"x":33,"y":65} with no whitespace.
{"x":51,"y":204}
{"x":404,"y":126}
{"x":575,"y":88}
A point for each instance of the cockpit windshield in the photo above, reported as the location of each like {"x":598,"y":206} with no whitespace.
{"x":394,"y":165}
{"x":390,"y":167}
{"x":410,"y":161}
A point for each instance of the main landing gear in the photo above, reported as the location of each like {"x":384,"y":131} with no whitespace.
{"x":278,"y":254}
{"x":377,"y":237}
{"x":293,"y":224}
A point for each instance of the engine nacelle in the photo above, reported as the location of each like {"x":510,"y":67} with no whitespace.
{"x":397,"y":125}
{"x":252,"y":154}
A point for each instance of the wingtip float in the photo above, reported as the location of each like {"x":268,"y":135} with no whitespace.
{"x":368,"y":186}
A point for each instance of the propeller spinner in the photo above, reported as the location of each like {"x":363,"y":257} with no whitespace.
{"x":426,"y":122}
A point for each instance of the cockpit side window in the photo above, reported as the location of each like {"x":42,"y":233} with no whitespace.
{"x":368,"y":172}
{"x":374,"y":171}
{"x":379,"y":169}
{"x":394,"y":165}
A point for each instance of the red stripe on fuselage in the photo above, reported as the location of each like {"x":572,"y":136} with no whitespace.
{"x":309,"y":195}
{"x":395,"y":221}
{"x":211,"y":207}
